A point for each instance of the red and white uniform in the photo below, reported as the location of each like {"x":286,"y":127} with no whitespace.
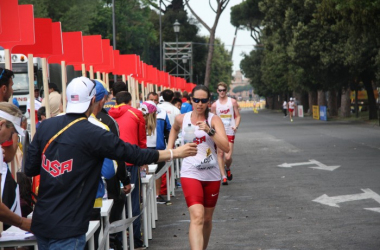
{"x":204,"y":165}
{"x":226,"y":113}
{"x":291,"y":106}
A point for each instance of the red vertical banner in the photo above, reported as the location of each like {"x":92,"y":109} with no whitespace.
{"x":92,"y":50}
{"x":26,"y":18}
{"x":167,"y":79}
{"x":72,"y":48}
{"x":43,"y":46}
{"x":116,"y":68}
{"x":129,"y":65}
{"x":57,"y":42}
{"x":10,"y":24}
{"x":105,"y":66}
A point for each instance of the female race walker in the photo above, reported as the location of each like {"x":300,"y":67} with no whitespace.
{"x":200,"y":175}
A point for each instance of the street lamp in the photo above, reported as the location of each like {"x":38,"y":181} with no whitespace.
{"x":184,"y":59}
{"x":176,"y":26}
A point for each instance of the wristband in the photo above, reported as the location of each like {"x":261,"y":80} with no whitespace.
{"x":171,"y":155}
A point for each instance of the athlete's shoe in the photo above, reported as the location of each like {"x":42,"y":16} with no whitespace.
{"x":229,"y":175}
{"x":160,"y":200}
{"x":291,"y":120}
{"x":224,"y":182}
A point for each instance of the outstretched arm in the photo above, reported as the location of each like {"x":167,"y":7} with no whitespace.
{"x":8,"y":217}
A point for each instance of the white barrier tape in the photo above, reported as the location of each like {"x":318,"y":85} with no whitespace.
{"x":163,"y":170}
{"x":122,"y":225}
{"x":116,"y":227}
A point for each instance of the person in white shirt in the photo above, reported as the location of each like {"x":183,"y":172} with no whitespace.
{"x":291,"y":106}
{"x":285,"y":108}
{"x":167,"y":95}
{"x":200,"y":175}
{"x":228,"y":110}
{"x":166,"y":105}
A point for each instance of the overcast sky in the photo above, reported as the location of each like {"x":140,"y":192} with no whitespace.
{"x":225,"y":31}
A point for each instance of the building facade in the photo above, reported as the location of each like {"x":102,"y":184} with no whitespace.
{"x":239,"y":80}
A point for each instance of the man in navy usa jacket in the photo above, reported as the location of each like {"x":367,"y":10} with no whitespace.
{"x":70,"y":166}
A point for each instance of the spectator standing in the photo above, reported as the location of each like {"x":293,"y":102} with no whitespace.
{"x":116,"y":88}
{"x":41,"y":116}
{"x":70,"y":167}
{"x":152,"y":96}
{"x":113,"y":184}
{"x":200,"y":175}
{"x":285,"y":108}
{"x":10,"y":119}
{"x":132,"y":130}
{"x":37,"y":94}
{"x":54,"y":99}
{"x":177,"y":94}
{"x":157,"y":125}
{"x":166,"y":105}
{"x":185,"y":96}
{"x":10,"y":191}
{"x":167,"y":96}
{"x":186,"y":106}
{"x":109,"y":167}
{"x":177,"y":103}
{"x":6,"y":91}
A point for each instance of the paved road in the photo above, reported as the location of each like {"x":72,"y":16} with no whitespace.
{"x":272,"y":208}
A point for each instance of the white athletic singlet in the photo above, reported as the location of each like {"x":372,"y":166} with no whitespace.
{"x":291,"y":105}
{"x":204,"y":165}
{"x":226,"y":113}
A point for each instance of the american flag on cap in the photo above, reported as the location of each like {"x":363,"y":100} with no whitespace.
{"x":74,"y":98}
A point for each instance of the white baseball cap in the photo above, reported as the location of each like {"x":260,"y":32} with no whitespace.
{"x":291,"y":98}
{"x":79,"y":93}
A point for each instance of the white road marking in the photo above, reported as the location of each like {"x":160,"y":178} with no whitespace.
{"x":320,"y":165}
{"x":333,"y":201}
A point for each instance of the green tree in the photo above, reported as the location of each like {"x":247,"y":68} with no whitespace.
{"x":221,"y":70}
{"x":134,"y":31}
{"x":251,"y":66}
{"x":40,"y":7}
{"x":218,"y":10}
{"x":359,"y":20}
{"x":247,"y":15}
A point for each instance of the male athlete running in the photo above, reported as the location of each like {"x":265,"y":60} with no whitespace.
{"x":228,"y":110}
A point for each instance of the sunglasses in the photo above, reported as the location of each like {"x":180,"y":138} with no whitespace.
{"x":221,"y":90}
{"x":2,"y":73}
{"x":197,"y":100}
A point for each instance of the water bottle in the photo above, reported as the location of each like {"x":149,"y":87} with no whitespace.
{"x":189,"y":134}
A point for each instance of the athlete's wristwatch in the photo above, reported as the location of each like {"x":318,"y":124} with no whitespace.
{"x":211,"y":132}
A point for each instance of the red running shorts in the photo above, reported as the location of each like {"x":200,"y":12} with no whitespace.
{"x":231,"y":138}
{"x":205,"y":193}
